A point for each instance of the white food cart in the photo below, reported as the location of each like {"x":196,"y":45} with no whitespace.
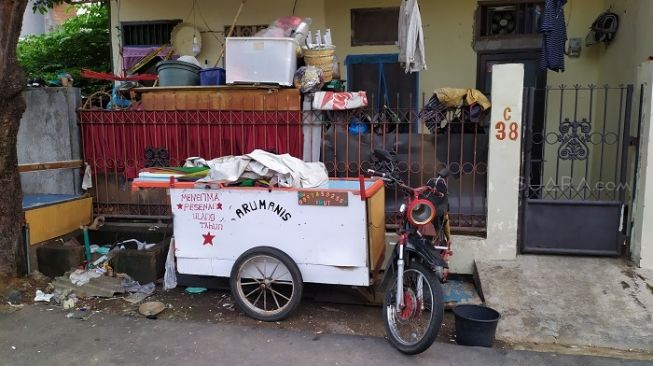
{"x":269,"y":241}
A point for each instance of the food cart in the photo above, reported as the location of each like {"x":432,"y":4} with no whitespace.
{"x":269,"y":240}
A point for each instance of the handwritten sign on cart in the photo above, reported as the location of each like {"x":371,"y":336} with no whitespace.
{"x":322,"y":198}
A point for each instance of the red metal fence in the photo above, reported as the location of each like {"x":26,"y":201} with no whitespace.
{"x":118,"y":143}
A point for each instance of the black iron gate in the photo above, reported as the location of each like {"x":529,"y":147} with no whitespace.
{"x":575,"y":183}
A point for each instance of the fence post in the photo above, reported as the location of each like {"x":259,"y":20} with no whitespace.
{"x":504,"y":159}
{"x":641,"y":249}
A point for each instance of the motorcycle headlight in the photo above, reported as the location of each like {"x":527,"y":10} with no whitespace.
{"x":402,"y":208}
{"x":421,"y":212}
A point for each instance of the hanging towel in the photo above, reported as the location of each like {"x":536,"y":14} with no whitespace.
{"x":554,"y":32}
{"x":411,"y":37}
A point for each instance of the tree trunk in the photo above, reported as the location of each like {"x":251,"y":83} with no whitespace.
{"x":12,"y":107}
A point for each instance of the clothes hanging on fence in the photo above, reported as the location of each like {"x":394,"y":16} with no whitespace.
{"x":435,"y":113}
{"x":454,"y":97}
{"x":411,"y":37}
{"x":554,"y":33}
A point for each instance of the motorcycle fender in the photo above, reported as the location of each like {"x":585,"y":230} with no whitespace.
{"x":431,"y":257}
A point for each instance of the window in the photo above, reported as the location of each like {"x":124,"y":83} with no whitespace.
{"x":153,"y":33}
{"x":374,"y":26}
{"x":508,"y":18}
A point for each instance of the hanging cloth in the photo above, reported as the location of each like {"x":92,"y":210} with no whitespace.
{"x":411,"y":37}
{"x":554,"y":33}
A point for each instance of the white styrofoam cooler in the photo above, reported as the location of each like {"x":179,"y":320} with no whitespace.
{"x":261,"y":60}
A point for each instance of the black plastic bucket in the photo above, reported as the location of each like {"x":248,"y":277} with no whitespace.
{"x":476,"y":325}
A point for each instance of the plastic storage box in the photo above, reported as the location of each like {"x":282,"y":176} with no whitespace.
{"x":262,"y":60}
{"x":55,"y":259}
{"x":144,"y":266}
{"x":212,"y":76}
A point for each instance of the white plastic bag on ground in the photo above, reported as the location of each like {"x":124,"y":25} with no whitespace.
{"x":170,"y":277}
{"x":41,"y":296}
{"x":81,"y":277}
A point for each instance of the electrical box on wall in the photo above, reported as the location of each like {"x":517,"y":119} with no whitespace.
{"x":574,"y":47}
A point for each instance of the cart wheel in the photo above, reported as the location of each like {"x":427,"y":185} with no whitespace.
{"x":266,"y":284}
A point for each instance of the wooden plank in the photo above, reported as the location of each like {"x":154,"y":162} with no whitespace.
{"x":49,"y":222}
{"x":212,"y":98}
{"x":162,"y":89}
{"x":376,"y":228}
{"x":34,"y":167}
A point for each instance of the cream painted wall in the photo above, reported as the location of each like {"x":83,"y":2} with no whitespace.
{"x":620,"y":62}
{"x":642,"y":234}
{"x":579,"y":15}
{"x":633,"y":43}
{"x":448,"y":32}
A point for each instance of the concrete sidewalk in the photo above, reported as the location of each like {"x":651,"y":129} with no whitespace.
{"x":35,"y":336}
{"x":571,"y":301}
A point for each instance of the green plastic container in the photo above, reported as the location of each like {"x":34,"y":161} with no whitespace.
{"x":178,"y":73}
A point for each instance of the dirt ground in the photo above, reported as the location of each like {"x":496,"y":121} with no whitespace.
{"x":217,"y":306}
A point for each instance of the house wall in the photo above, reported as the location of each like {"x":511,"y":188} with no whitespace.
{"x":633,"y":43}
{"x":37,"y":23}
{"x":585,"y":69}
{"x":622,"y":58}
{"x":448,"y":32}
{"x":59,"y":14}
{"x":33,"y":23}
{"x":448,"y":35}
{"x":641,"y":250}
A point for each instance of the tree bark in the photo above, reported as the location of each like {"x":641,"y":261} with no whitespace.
{"x":12,"y":107}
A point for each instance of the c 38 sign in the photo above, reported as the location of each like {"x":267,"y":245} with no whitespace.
{"x":506,"y":129}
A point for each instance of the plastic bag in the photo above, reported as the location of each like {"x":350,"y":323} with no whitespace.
{"x":282,"y":27}
{"x":336,"y":68}
{"x":87,"y":181}
{"x":309,"y":79}
{"x":170,"y":277}
{"x":272,"y":31}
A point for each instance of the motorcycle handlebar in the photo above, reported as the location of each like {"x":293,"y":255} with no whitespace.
{"x":388,"y":177}
{"x":377,"y":174}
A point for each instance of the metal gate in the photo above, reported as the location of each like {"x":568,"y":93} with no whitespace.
{"x":576,"y":170}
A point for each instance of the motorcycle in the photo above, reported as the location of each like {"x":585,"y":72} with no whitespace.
{"x":413,"y":305}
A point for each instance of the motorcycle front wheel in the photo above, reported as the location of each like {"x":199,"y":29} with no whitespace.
{"x":412,"y":329}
